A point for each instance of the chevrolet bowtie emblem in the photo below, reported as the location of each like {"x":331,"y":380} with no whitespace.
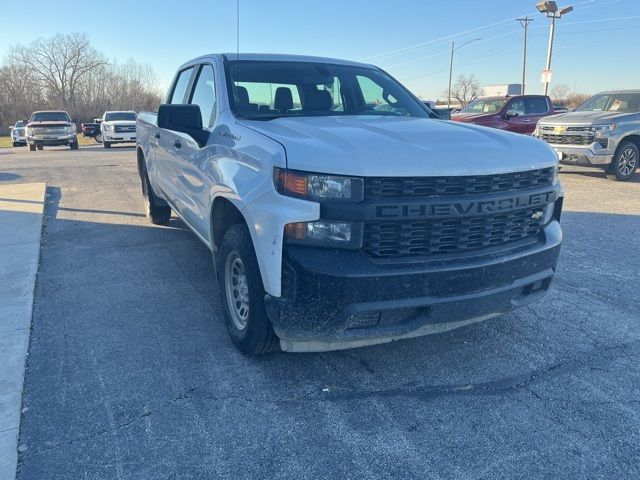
{"x":560,"y":129}
{"x":537,"y":215}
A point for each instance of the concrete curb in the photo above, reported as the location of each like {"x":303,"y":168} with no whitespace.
{"x":21,"y":215}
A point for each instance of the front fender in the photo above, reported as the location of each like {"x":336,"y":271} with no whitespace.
{"x":266,"y":217}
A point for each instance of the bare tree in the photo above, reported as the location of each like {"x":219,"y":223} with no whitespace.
{"x":559,"y":93}
{"x":465,"y":90}
{"x":576,"y":99}
{"x":59,"y":63}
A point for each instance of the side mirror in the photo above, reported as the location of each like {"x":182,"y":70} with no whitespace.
{"x":11,"y":127}
{"x":511,"y":114}
{"x":183,"y":118}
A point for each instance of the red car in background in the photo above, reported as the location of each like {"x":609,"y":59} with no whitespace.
{"x":518,"y":113}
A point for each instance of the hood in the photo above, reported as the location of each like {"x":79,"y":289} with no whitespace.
{"x":401,"y":146}
{"x":121,"y":123}
{"x":582,"y":118}
{"x":471,"y":117}
{"x":48,"y":124}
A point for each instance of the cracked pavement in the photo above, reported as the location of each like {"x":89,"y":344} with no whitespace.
{"x":131,"y":373}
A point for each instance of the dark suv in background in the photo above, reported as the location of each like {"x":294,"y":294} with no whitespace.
{"x":519,"y":113}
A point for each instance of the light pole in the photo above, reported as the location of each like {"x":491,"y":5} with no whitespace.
{"x":453,"y":49}
{"x":525,"y":24}
{"x":552,"y":11}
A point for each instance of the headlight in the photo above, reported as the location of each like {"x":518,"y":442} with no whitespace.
{"x":30,"y":132}
{"x":107,"y":127}
{"x":325,"y":233}
{"x":556,"y":172}
{"x":69,"y":129}
{"x":318,"y":187}
{"x":603,"y":128}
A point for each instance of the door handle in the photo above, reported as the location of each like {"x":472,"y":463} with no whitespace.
{"x":527,"y":120}
{"x":157,"y":135}
{"x":177,"y":144}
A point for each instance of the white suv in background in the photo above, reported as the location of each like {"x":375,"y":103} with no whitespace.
{"x":118,"y":127}
{"x":19,"y":134}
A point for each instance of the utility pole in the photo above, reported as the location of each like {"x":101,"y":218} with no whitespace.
{"x":525,"y":24}
{"x":453,"y":49}
{"x":552,"y":11}
{"x":450,"y":74}
{"x":552,"y":32}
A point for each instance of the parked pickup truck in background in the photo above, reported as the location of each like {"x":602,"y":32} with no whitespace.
{"x":92,"y":130}
{"x":51,"y":128}
{"x":519,"y":113}
{"x":118,"y":127}
{"x":603,"y":132}
{"x":334,"y":224}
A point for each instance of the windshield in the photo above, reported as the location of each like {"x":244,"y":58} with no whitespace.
{"x":485,"y":105}
{"x":50,"y":117}
{"x":271,"y":89}
{"x":612,"y":102}
{"x":119,"y":116}
{"x":20,"y":123}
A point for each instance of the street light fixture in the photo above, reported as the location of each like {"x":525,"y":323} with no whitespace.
{"x":551,"y":10}
{"x":453,"y":49}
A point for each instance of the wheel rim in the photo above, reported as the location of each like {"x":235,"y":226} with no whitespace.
{"x":628,"y":161}
{"x":237,"y":288}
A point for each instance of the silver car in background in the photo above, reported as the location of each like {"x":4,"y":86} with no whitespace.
{"x":18,"y":133}
{"x":603,"y":132}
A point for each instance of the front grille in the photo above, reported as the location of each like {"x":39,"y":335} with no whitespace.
{"x":452,"y":235}
{"x":125,"y":128}
{"x":411,"y":187}
{"x":567,"y":139}
{"x":49,"y":130}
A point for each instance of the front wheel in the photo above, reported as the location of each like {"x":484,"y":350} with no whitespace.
{"x":32,"y":148}
{"x":98,"y":138}
{"x":39,"y":147}
{"x":625,"y":162}
{"x":74,"y":145}
{"x":106,"y":145}
{"x":242,"y":293}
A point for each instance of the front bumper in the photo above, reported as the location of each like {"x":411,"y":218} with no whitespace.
{"x":118,"y":137}
{"x":335,"y":299}
{"x":21,"y":139}
{"x":589,"y":155}
{"x":52,"y":141}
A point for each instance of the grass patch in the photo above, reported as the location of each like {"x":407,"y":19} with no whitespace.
{"x":5,"y":142}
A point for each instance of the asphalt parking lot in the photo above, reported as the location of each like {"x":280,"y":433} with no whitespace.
{"x":131,"y":374}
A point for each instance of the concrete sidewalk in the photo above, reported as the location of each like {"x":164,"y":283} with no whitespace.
{"x":21,"y":213}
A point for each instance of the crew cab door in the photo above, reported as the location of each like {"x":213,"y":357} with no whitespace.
{"x":530,"y":109}
{"x":193,"y":159}
{"x":166,"y":141}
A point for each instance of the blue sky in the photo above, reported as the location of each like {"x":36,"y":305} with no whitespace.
{"x":596,"y":46}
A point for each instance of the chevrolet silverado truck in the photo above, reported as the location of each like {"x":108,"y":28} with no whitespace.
{"x":334,"y":223}
{"x":18,"y":133}
{"x":603,"y":132}
{"x":518,"y":113}
{"x":118,"y":127}
{"x":51,"y":128}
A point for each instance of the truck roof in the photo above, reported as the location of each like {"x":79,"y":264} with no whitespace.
{"x":619,"y":91}
{"x":278,"y":57}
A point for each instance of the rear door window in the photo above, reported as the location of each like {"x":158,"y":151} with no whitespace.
{"x":537,"y":106}
{"x":517,"y":106}
{"x":180,"y":87}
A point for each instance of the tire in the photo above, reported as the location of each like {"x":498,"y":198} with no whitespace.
{"x":625,"y":162}
{"x":106,"y":145}
{"x":158,"y":215}
{"x":32,"y":148}
{"x":242,"y":294}
{"x":74,"y":145}
{"x":39,"y":147}
{"x":16,"y":144}
{"x":98,"y":138}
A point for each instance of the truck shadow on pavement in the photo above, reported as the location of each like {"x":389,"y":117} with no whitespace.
{"x":128,"y":338}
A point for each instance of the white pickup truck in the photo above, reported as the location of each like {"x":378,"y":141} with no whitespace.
{"x":337,"y":212}
{"x":118,"y":127}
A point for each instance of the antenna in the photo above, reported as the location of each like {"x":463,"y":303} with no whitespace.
{"x":237,"y":29}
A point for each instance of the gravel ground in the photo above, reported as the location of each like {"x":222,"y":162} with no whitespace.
{"x":131,"y":373}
